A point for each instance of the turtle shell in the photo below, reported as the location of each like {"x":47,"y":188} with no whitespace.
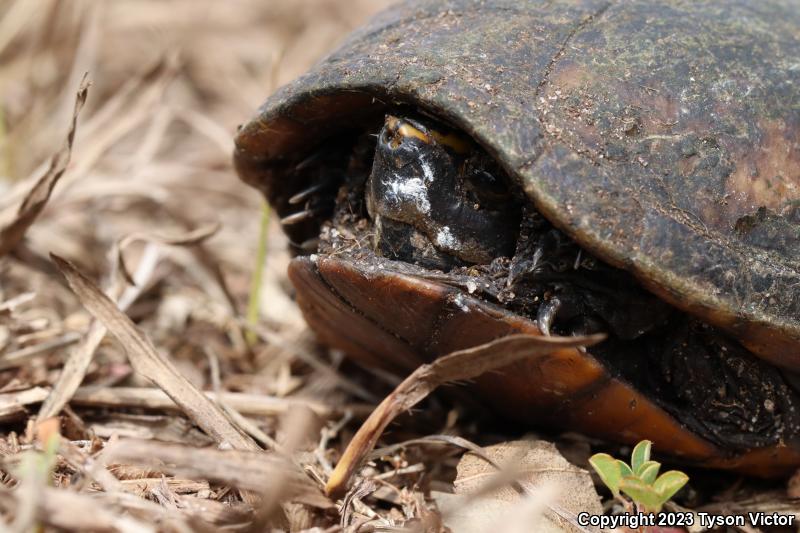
{"x":663,"y":136}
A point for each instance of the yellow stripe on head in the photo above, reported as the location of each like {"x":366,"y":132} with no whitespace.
{"x":403,"y":129}
{"x":458,"y":143}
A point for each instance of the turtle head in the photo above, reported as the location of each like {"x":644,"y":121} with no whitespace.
{"x":434,"y":202}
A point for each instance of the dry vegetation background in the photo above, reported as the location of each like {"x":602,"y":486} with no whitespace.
{"x":102,"y":426}
{"x":150,"y":166}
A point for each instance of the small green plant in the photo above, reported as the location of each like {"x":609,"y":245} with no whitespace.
{"x":254,"y":302}
{"x":39,"y":466}
{"x":639,"y":480}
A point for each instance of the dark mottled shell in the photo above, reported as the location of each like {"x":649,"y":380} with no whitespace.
{"x":662,"y":135}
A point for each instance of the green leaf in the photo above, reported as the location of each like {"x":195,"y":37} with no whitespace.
{"x":649,"y":472}
{"x":669,"y":483}
{"x":640,"y":455}
{"x":608,"y":469}
{"x":645,"y":497}
{"x":624,"y":468}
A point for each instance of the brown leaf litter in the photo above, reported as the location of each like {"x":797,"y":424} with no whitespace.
{"x":546,"y":494}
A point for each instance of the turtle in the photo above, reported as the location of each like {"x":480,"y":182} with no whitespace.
{"x":460,"y":170}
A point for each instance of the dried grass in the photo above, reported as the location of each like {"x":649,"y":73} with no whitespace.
{"x":149,"y":156}
{"x":136,"y":395}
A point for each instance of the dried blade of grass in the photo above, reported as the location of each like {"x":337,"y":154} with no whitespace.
{"x":126,"y":97}
{"x":274,"y":507}
{"x":23,"y":355}
{"x":146,"y":361}
{"x":451,"y":440}
{"x":257,"y":405}
{"x":147,"y":515}
{"x":78,"y":361}
{"x":71,"y":511}
{"x":122,"y":113}
{"x":100,"y":137}
{"x":216,"y":516}
{"x":82,"y":462}
{"x":457,"y":366}
{"x":153,"y":139}
{"x":352,"y":501}
{"x":209,"y":128}
{"x":88,"y":24}
{"x":249,"y":427}
{"x":243,"y":469}
{"x":11,"y":304}
{"x":190,"y":238}
{"x":15,"y":20}
{"x":13,"y":404}
{"x":152,"y":513}
{"x":311,"y":360}
{"x":176,"y":485}
{"x":14,"y":222}
{"x":204,"y":266}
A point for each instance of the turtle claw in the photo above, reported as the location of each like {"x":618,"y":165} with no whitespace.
{"x":309,"y":245}
{"x":294,"y":218}
{"x":304,"y":194}
{"x":313,"y":158}
{"x":547,"y":314}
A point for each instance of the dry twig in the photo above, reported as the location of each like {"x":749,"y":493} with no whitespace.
{"x":457,"y":366}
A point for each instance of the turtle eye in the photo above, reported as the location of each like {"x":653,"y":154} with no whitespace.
{"x":488,"y":183}
{"x":390,"y":138}
{"x":395,"y":131}
{"x":485,"y":189}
